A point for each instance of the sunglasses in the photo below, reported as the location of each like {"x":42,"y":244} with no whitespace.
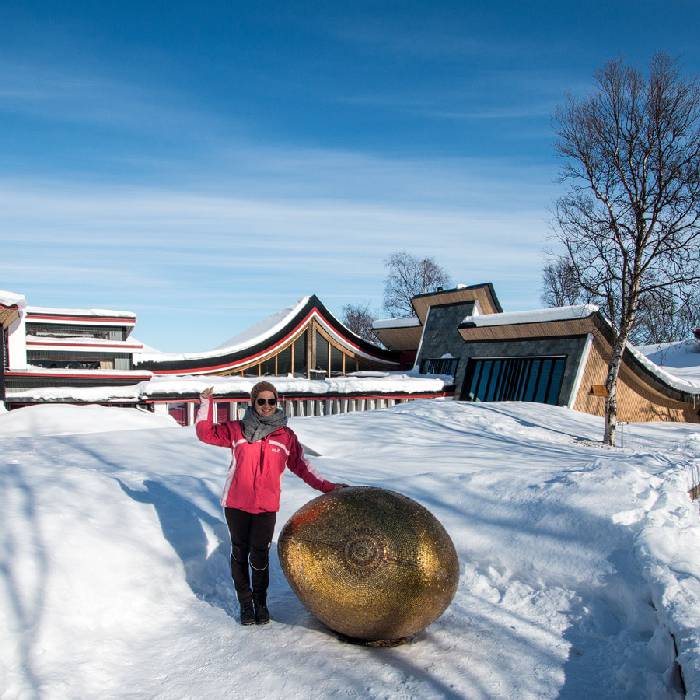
{"x":269,"y":402}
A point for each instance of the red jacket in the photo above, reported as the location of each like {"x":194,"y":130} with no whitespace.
{"x":253,"y":481}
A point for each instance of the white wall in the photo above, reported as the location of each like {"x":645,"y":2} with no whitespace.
{"x":17,"y":344}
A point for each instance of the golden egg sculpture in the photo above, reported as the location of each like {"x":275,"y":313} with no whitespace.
{"x":369,"y":563}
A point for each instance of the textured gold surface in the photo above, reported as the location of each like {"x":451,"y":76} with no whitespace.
{"x":369,"y":563}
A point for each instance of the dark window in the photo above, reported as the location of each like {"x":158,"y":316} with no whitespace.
{"x":57,"y":330}
{"x":300,"y":354}
{"x":336,"y":361}
{"x":322,"y":349}
{"x":514,"y":379}
{"x":284,"y":362}
{"x":443,"y":365}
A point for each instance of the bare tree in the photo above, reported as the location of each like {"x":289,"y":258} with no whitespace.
{"x":666,"y":314}
{"x":629,"y":222}
{"x":560,"y":285}
{"x":359,"y":319}
{"x":407,"y":276}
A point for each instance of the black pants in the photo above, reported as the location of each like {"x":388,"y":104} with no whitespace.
{"x":251,"y":536}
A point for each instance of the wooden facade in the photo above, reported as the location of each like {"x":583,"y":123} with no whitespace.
{"x":642,"y":395}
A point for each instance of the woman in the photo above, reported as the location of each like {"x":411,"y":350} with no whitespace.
{"x":262,"y":447}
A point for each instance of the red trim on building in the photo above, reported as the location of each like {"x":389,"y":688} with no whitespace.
{"x":121,"y":320}
{"x":267,"y":350}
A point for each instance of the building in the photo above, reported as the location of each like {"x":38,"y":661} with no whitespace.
{"x":87,"y":356}
{"x":459,"y":344}
{"x":557,"y":356}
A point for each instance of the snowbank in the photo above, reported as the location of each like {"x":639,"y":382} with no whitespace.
{"x":577,"y":562}
{"x":65,"y":419}
{"x":379,"y":382}
{"x":12,"y":299}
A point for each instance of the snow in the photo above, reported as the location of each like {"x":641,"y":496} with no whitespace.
{"x":408,"y":322}
{"x":576,"y":562}
{"x":35,"y":369}
{"x":81,"y":341}
{"x":683,"y":381}
{"x":681,"y":359}
{"x":64,"y":419}
{"x":12,"y":299}
{"x":127,"y":315}
{"x":557,"y":313}
{"x":363,"y":382}
{"x":143,"y":347}
{"x":366,"y":382}
{"x":254,"y":335}
{"x":264,"y":328}
{"x":92,"y":394}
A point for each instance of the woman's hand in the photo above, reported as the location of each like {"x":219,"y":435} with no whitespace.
{"x":207,"y":393}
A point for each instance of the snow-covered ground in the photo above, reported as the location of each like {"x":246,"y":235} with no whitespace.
{"x":577,"y":562}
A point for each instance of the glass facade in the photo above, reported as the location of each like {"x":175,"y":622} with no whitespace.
{"x":300,"y":354}
{"x":514,"y":379}
{"x":322,"y":349}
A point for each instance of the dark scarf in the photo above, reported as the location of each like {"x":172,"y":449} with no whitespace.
{"x":256,"y":427}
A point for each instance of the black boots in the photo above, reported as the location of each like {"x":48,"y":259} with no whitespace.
{"x":255,"y":612}
{"x":262,"y":614}
{"x":248,"y":613}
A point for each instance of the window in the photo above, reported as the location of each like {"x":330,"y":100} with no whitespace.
{"x":514,"y":379}
{"x":322,"y":349}
{"x":57,"y":330}
{"x":284,"y":362}
{"x":179,"y":412}
{"x":443,"y":365}
{"x":336,"y":361}
{"x":300,"y":355}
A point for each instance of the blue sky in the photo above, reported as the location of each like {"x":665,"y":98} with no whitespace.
{"x":207,"y":164}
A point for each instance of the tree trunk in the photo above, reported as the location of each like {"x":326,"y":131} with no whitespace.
{"x":611,"y":386}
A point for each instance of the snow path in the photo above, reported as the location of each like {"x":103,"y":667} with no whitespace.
{"x":576,"y":561}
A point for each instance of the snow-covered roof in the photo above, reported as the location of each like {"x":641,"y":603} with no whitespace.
{"x":268,"y":331}
{"x":143,"y":347}
{"x":380,"y":382}
{"x":263,"y":329}
{"x":115,"y":394}
{"x":80,"y":312}
{"x":253,"y":335}
{"x":34,"y":369}
{"x":406,"y":322}
{"x":85,"y":343}
{"x":8,"y":298}
{"x":367,"y":383}
{"x":688,"y":385}
{"x":557,"y":313}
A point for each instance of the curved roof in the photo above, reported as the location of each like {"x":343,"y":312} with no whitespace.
{"x":264,"y":339}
